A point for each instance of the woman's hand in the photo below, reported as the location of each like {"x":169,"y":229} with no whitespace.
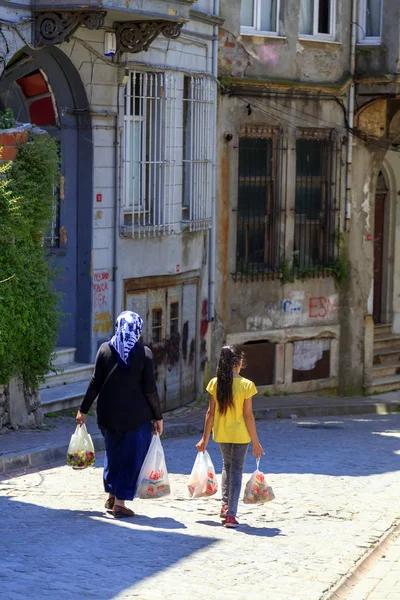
{"x":80,"y":418}
{"x":257,"y":450}
{"x":201,"y":445}
{"x":158,"y":427}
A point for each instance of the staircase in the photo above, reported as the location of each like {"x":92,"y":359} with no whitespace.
{"x":385,"y":372}
{"x":65,"y":388}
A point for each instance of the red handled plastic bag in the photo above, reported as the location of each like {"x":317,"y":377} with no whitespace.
{"x":202,"y":480}
{"x":80,"y":452}
{"x":257,"y":490}
{"x":153,"y":480}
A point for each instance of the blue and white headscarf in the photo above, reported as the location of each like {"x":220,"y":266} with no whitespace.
{"x":128,"y":329}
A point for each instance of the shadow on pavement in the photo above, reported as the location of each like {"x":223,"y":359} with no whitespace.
{"x":351,"y":446}
{"x":67,"y":554}
{"x":248,"y":529}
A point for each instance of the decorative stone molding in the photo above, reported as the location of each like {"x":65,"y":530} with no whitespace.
{"x":56,"y":27}
{"x":136,"y":36}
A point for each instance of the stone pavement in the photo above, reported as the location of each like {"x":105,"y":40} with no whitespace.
{"x":33,"y":448}
{"x":336,"y":482}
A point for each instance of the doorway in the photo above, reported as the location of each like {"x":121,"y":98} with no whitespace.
{"x":379,"y":249}
{"x":43,"y":87}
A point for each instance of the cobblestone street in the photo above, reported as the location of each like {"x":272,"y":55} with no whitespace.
{"x":336,"y":482}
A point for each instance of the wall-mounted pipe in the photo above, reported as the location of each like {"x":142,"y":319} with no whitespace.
{"x":350,"y":118}
{"x":211,"y":278}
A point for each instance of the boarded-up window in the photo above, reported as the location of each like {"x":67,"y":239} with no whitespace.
{"x":311,"y":360}
{"x":260,"y":362}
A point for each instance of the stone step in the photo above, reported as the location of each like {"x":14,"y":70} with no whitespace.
{"x":385,"y":370}
{"x":384,"y":356}
{"x":383,"y":328}
{"x":386,"y":341}
{"x":64,"y":356}
{"x":61,"y":397}
{"x":383,"y":384}
{"x":69,"y":373}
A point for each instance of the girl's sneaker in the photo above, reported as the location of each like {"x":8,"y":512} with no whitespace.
{"x":223,"y":512}
{"x":231,"y":522}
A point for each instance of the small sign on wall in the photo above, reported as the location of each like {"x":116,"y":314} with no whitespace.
{"x":99,"y":197}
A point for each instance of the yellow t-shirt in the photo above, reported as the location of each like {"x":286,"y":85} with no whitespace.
{"x":231,"y":428}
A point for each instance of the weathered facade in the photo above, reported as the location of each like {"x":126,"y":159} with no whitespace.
{"x":307,"y":188}
{"x":130,"y":93}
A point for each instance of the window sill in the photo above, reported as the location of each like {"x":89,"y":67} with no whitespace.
{"x":370,"y":43}
{"x":262,"y":34}
{"x":319,"y":40}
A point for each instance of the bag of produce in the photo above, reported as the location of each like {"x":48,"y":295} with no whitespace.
{"x":153,"y":480}
{"x":257,"y":490}
{"x":80,"y":450}
{"x":202,"y":480}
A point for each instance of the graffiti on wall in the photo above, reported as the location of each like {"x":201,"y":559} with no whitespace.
{"x":101,"y":302}
{"x":300,"y":308}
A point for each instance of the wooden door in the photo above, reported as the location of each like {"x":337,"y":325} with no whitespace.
{"x":378,"y":254}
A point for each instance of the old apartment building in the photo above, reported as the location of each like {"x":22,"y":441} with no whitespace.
{"x":308,"y":188}
{"x":129,"y":90}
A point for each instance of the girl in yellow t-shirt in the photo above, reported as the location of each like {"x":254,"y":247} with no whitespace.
{"x":230,"y":417}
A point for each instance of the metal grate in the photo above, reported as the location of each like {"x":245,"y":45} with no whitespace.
{"x":150,"y":141}
{"x":317,"y":202}
{"x":198,"y":104}
{"x":258,"y":211}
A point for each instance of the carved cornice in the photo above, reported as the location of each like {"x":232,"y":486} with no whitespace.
{"x":56,"y":27}
{"x":136,"y":36}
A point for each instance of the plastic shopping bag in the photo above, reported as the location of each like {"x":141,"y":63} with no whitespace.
{"x":80,"y":452}
{"x":202,"y":480}
{"x":257,"y":490}
{"x":153,"y":480}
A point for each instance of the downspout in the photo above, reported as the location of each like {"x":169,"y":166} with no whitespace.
{"x":116,"y":210}
{"x":351,"y":103}
{"x":211,"y":280}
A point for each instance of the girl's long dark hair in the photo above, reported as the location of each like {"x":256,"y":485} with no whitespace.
{"x":230,"y":357}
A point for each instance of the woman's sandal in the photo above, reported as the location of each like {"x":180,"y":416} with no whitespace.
{"x":121,"y":512}
{"x":109,"y":505}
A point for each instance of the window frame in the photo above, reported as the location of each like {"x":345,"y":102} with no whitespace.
{"x":315,"y":35}
{"x":256,"y":28}
{"x":362,"y":29}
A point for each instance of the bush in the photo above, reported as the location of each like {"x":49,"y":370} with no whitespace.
{"x":29,"y":313}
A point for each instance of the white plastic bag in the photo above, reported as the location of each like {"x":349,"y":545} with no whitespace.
{"x":257,"y":490}
{"x":80,"y":452}
{"x":202,"y":480}
{"x":153,"y":480}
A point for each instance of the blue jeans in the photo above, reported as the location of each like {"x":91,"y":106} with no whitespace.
{"x":233,"y":459}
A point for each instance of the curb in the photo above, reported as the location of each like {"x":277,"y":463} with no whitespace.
{"x":347,"y":583}
{"x":39,"y":457}
{"x":334,"y":410}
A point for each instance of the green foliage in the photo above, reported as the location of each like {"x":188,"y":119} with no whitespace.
{"x":29,"y":313}
{"x":285,"y":272}
{"x":7,"y":120}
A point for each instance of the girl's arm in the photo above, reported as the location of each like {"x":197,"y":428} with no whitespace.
{"x":208,"y":424}
{"x":250,"y":421}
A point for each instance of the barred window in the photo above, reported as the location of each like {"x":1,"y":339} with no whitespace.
{"x":149,"y":163}
{"x":198,"y":139}
{"x":258,"y":202}
{"x":316,"y":206}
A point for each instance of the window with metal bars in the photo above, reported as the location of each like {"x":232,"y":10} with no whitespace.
{"x":258,"y":203}
{"x":198,"y":138}
{"x":150,"y":128}
{"x":316,"y":202}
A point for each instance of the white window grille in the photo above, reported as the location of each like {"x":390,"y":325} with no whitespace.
{"x":259,"y":17}
{"x":150,"y":134}
{"x":198,"y":151}
{"x":370,"y":30}
{"x":317,"y":18}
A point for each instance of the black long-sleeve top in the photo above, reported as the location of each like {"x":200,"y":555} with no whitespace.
{"x":129,"y":398}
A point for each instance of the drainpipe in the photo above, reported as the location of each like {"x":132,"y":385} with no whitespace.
{"x":116,"y":210}
{"x":351,"y":103}
{"x":211,"y":280}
